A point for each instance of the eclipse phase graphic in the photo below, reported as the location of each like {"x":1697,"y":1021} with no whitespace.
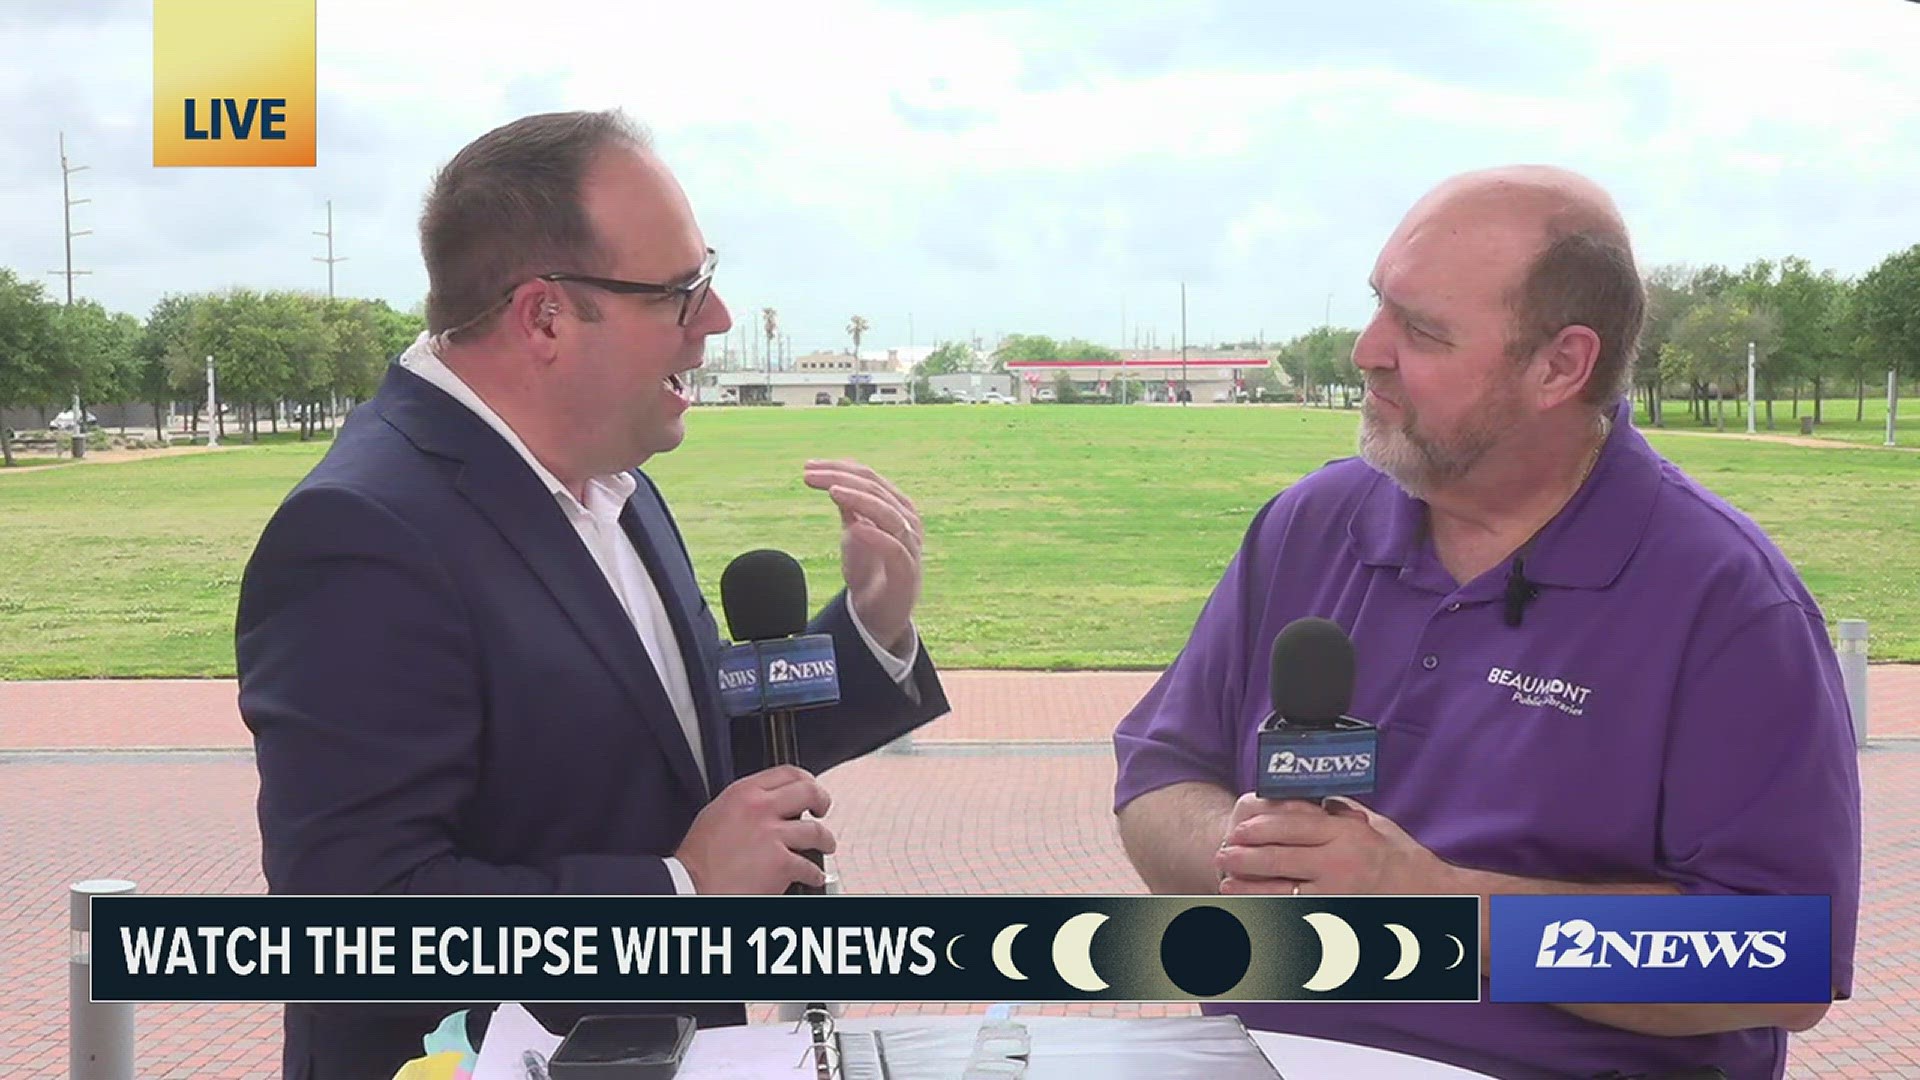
{"x":1073,"y":952}
{"x":1003,"y":951}
{"x":1409,"y":952}
{"x":1339,"y":951}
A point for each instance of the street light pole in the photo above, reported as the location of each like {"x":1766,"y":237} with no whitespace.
{"x":1749,"y":387}
{"x":213,"y":409}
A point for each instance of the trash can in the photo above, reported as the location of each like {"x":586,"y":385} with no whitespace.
{"x":1806,"y":425}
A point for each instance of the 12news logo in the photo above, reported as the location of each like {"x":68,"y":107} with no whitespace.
{"x":1577,"y":943}
{"x":234,"y":83}
{"x":780,"y":670}
{"x":1681,"y":948}
{"x":1289,"y":763}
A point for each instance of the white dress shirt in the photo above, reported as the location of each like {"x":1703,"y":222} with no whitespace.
{"x":597,"y":522}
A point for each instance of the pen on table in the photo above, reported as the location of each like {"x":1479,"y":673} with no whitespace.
{"x":534,"y":1065}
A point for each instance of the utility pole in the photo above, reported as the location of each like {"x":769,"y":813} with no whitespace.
{"x":66,"y":211}
{"x":329,"y":260}
{"x":770,"y":322}
{"x":67,"y":171}
{"x":1183,"y":343}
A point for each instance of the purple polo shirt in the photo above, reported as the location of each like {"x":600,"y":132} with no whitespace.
{"x":1670,"y":708}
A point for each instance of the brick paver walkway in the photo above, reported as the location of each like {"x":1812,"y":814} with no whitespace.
{"x":1009,"y":794}
{"x":989,"y":707}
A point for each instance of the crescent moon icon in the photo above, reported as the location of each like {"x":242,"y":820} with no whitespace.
{"x":1339,"y":951}
{"x":1073,"y":952}
{"x":1409,"y":952}
{"x":950,"y":943}
{"x":1003,"y":951}
{"x":1462,"y":946}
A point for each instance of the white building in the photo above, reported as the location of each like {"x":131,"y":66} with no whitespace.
{"x":1159,"y":378}
{"x":808,"y":388}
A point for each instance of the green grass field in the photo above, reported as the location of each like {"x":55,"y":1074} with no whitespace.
{"x":1059,"y":537}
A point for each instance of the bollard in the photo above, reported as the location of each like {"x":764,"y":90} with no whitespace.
{"x":1853,"y":671}
{"x":99,"y":1034}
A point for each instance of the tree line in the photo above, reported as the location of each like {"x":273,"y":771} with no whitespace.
{"x":1813,"y":333}
{"x":272,"y":350}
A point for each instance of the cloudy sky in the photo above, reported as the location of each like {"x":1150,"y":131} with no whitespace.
{"x":962,"y":168}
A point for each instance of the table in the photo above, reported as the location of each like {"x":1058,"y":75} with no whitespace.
{"x":1301,"y":1058}
{"x":773,"y":1050}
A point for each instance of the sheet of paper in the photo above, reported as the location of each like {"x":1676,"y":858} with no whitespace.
{"x":512,"y":1032}
{"x":728,"y":1053}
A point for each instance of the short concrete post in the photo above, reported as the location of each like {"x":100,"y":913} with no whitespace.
{"x":99,"y":1034}
{"x":1852,"y":649}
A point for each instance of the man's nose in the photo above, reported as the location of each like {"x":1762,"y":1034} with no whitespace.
{"x":1373,"y":349}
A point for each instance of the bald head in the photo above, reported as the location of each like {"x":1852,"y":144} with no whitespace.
{"x":1542,"y":193}
{"x":1570,"y":258}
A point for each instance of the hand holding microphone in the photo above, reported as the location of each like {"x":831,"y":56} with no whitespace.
{"x":1299,"y":828}
{"x":754,"y":837}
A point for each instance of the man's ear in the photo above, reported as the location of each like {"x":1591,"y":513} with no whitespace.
{"x":1564,"y":366}
{"x":533,"y":314}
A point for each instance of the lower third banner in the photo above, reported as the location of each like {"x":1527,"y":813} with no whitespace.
{"x":781,"y":948}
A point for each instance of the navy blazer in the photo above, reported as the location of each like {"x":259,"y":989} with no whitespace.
{"x":447,"y":698}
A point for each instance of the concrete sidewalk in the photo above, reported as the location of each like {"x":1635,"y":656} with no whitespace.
{"x":1024,"y":754}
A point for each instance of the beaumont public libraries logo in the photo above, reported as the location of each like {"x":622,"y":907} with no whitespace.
{"x":234,"y":82}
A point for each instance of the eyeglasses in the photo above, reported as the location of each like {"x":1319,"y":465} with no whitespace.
{"x":693,"y":292}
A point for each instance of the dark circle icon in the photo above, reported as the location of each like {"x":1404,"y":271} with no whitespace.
{"x":1205,"y":951}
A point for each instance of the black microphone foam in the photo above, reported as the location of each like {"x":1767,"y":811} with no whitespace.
{"x":1311,"y":681}
{"x":764,"y":595}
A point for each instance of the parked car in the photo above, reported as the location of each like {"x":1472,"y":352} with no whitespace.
{"x":64,"y":421}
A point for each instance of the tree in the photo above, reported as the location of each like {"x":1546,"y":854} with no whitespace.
{"x":1669,"y":295}
{"x":949,"y":359}
{"x":251,"y":364}
{"x":1082,"y":349}
{"x":303,"y":327}
{"x":856,"y":329}
{"x":1889,"y":314}
{"x":1321,"y":357}
{"x":1709,"y":346}
{"x":96,"y":354}
{"x":161,"y":353}
{"x":26,"y":345}
{"x":1025,"y":347}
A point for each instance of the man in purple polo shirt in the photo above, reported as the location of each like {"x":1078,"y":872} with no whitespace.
{"x":1666,"y":717}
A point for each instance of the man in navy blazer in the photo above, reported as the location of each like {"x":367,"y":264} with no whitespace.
{"x":472,"y":649}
